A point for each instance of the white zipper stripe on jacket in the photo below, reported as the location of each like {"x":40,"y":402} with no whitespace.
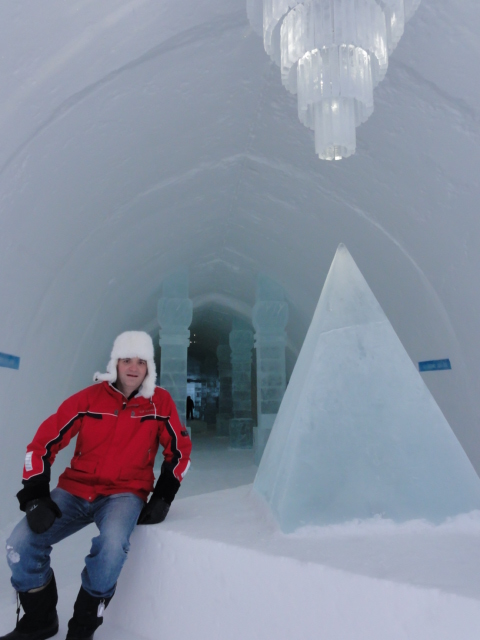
{"x":65,"y":428}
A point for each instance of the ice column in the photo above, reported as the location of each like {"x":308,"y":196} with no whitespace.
{"x":174,"y":316}
{"x":241,"y":425}
{"x":270,"y":317}
{"x":358,"y":433}
{"x":224,"y":414}
{"x":210,"y":386}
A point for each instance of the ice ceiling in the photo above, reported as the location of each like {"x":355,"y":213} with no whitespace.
{"x":141,"y":136}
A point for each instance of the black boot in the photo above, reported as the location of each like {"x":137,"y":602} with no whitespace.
{"x":40,"y":620}
{"x":87,"y":616}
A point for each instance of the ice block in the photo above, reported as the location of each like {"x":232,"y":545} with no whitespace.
{"x":358,"y":433}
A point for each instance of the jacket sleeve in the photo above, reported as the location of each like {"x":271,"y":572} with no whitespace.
{"x":53,"y":435}
{"x":177,"y":447}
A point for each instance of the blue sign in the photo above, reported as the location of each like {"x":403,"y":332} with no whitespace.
{"x":434,"y":365}
{"x":8,"y":361}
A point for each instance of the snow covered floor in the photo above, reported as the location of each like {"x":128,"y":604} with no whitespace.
{"x":219,"y":568}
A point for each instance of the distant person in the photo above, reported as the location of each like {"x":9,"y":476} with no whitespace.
{"x":120,"y":424}
{"x":190,"y":408}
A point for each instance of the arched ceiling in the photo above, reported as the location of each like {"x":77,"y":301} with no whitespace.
{"x":140,"y":136}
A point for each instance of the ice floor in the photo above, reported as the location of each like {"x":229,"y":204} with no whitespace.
{"x":220,"y":568}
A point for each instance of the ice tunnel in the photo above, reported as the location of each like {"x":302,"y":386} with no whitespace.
{"x":141,"y":137}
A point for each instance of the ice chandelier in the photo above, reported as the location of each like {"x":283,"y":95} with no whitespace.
{"x":332,"y":54}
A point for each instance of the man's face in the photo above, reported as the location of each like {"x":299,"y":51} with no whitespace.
{"x":131,"y":373}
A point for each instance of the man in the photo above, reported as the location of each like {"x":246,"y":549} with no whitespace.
{"x":119,"y":424}
{"x":190,"y":408}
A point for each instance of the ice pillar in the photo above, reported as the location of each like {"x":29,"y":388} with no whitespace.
{"x":224,"y":414}
{"x":174,"y":316}
{"x":270,"y":317}
{"x":241,"y":425}
{"x":358,"y":433}
{"x":210,"y":386}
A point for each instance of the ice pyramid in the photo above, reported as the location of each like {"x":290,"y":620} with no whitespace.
{"x":358,"y":433}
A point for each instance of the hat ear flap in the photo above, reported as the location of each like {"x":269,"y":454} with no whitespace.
{"x":110,"y":375}
{"x":148,"y":385}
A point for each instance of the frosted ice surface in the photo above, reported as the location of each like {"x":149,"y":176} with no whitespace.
{"x":358,"y":433}
{"x":268,"y":289}
{"x":174,"y":314}
{"x":269,"y":317}
{"x":410,"y":7}
{"x":255,"y":15}
{"x":174,"y":307}
{"x":176,"y":284}
{"x":241,"y":425}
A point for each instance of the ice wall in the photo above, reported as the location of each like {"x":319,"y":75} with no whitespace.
{"x":358,"y":433}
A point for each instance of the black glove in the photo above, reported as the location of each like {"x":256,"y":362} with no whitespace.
{"x":154,"y":511}
{"x":41,"y":514}
{"x":157,"y":507}
{"x":167,"y":485}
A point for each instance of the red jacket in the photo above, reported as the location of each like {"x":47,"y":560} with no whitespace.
{"x":117,"y":442}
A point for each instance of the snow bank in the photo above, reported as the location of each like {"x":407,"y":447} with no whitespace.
{"x":219,"y":568}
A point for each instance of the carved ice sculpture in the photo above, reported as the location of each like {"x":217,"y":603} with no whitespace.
{"x":224,"y":414}
{"x":358,"y":433}
{"x":269,"y":317}
{"x":241,"y":425}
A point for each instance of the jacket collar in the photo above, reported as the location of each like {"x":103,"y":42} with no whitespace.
{"x":112,"y":389}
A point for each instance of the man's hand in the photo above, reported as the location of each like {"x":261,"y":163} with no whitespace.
{"x":41,"y":514}
{"x":154,"y":511}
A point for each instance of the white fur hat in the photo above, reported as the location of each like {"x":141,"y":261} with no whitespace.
{"x":132,"y":344}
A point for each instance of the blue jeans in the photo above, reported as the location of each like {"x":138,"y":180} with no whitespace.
{"x":28,"y":553}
